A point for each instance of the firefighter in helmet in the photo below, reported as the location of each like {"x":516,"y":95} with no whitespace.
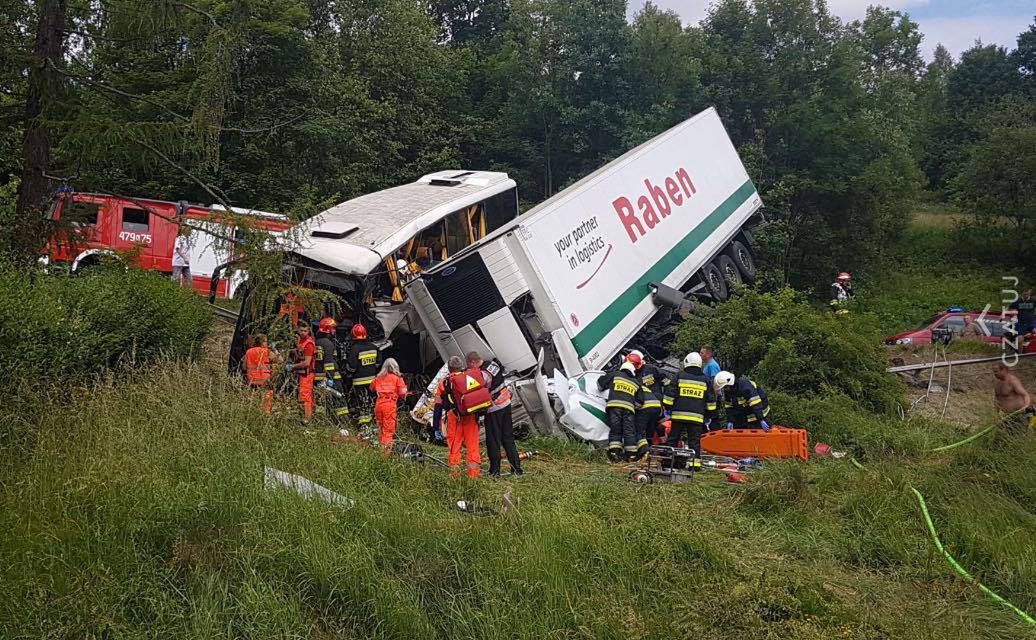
{"x":649,"y":413}
{"x":841,"y":293}
{"x":692,"y":405}
{"x":361,"y":363}
{"x":745,"y":404}
{"x":624,"y":395}
{"x":328,"y":377}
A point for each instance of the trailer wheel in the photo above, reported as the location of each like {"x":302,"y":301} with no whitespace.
{"x":730,"y":271}
{"x":742,"y":257}
{"x":714,"y":281}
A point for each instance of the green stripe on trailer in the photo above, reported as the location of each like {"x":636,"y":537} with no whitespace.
{"x":598,"y":328}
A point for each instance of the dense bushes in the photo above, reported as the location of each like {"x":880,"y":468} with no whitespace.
{"x":66,"y":329}
{"x":791,"y":346}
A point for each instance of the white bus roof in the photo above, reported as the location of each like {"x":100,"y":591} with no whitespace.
{"x":355,"y":236}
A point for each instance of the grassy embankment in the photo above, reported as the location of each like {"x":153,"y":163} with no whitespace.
{"x":138,"y":510}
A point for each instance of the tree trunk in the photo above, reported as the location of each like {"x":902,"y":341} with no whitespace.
{"x":44,"y":93}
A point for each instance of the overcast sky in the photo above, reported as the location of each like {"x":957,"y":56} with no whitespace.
{"x":954,"y":23}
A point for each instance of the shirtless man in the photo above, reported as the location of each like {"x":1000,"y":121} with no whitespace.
{"x":1012,"y":400}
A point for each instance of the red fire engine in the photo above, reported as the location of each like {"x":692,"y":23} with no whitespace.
{"x":144,"y":232}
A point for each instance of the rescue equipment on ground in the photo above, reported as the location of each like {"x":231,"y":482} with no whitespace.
{"x":780,"y":442}
{"x":665,"y":464}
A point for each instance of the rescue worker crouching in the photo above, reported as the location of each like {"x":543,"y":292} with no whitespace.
{"x":745,"y":404}
{"x":328,"y":378}
{"x":692,"y":405}
{"x":361,"y":363}
{"x":624,"y":394}
{"x":649,"y":414}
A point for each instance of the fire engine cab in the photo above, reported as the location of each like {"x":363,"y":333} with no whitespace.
{"x":143,"y":232}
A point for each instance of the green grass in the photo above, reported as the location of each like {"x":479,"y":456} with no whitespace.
{"x":139,"y":511}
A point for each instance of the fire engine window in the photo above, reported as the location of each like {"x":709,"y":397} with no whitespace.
{"x":134,"y":219}
{"x":81,"y":213}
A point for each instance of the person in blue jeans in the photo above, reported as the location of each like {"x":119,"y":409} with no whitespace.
{"x":711,"y":367}
{"x":1026,"y":308}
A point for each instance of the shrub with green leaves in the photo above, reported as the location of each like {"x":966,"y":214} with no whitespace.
{"x":789,"y":345}
{"x":71,"y":328}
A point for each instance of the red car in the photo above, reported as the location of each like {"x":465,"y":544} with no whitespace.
{"x":951,"y":323}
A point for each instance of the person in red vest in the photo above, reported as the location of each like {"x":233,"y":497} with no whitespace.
{"x":390,"y":388}
{"x":259,"y":361}
{"x":460,"y":398}
{"x":305,"y":368}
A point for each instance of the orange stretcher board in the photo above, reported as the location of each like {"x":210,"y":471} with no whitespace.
{"x":780,"y":442}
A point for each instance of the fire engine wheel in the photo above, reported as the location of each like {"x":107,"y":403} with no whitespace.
{"x":641,"y":477}
{"x":715,"y":283}
{"x":730,"y":271}
{"x":742,"y":257}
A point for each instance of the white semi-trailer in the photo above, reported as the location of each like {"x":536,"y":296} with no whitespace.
{"x":580,"y":274}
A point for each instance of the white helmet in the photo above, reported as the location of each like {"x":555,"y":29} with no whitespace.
{"x":723,"y":379}
{"x":693,"y":359}
{"x":628,"y":366}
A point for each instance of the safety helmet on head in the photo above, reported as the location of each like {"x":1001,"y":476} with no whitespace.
{"x":693,"y":359}
{"x":637,"y":358}
{"x":327,"y":324}
{"x":359,"y":332}
{"x":723,"y":379}
{"x":844,"y":276}
{"x":628,"y":366}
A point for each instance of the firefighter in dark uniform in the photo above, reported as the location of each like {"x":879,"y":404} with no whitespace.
{"x":328,"y":377}
{"x":362,"y":364}
{"x":652,"y":385}
{"x":692,"y":405}
{"x":744,"y":402}
{"x":623,"y":396}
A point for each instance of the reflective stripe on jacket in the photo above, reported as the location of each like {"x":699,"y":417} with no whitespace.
{"x":690,"y":398}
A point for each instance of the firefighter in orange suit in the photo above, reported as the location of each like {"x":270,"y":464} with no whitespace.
{"x":259,"y":362}
{"x":390,"y":388}
{"x":305,"y":368}
{"x":461,"y":430}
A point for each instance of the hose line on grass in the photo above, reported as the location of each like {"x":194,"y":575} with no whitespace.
{"x":961,"y":570}
{"x":970,"y":438}
{"x":946,"y":554}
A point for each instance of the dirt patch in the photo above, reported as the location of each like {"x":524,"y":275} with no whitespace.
{"x":970,"y":389}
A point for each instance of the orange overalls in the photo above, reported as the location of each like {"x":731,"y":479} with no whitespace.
{"x":258,"y":371}
{"x":307,"y":347}
{"x":461,"y":431}
{"x":390,"y":388}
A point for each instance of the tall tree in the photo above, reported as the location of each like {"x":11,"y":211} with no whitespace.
{"x":43,"y":96}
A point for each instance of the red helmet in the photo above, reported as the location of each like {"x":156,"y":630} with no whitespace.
{"x":636,"y":359}
{"x":359,"y":332}
{"x":328,"y":324}
{"x":844,"y":276}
